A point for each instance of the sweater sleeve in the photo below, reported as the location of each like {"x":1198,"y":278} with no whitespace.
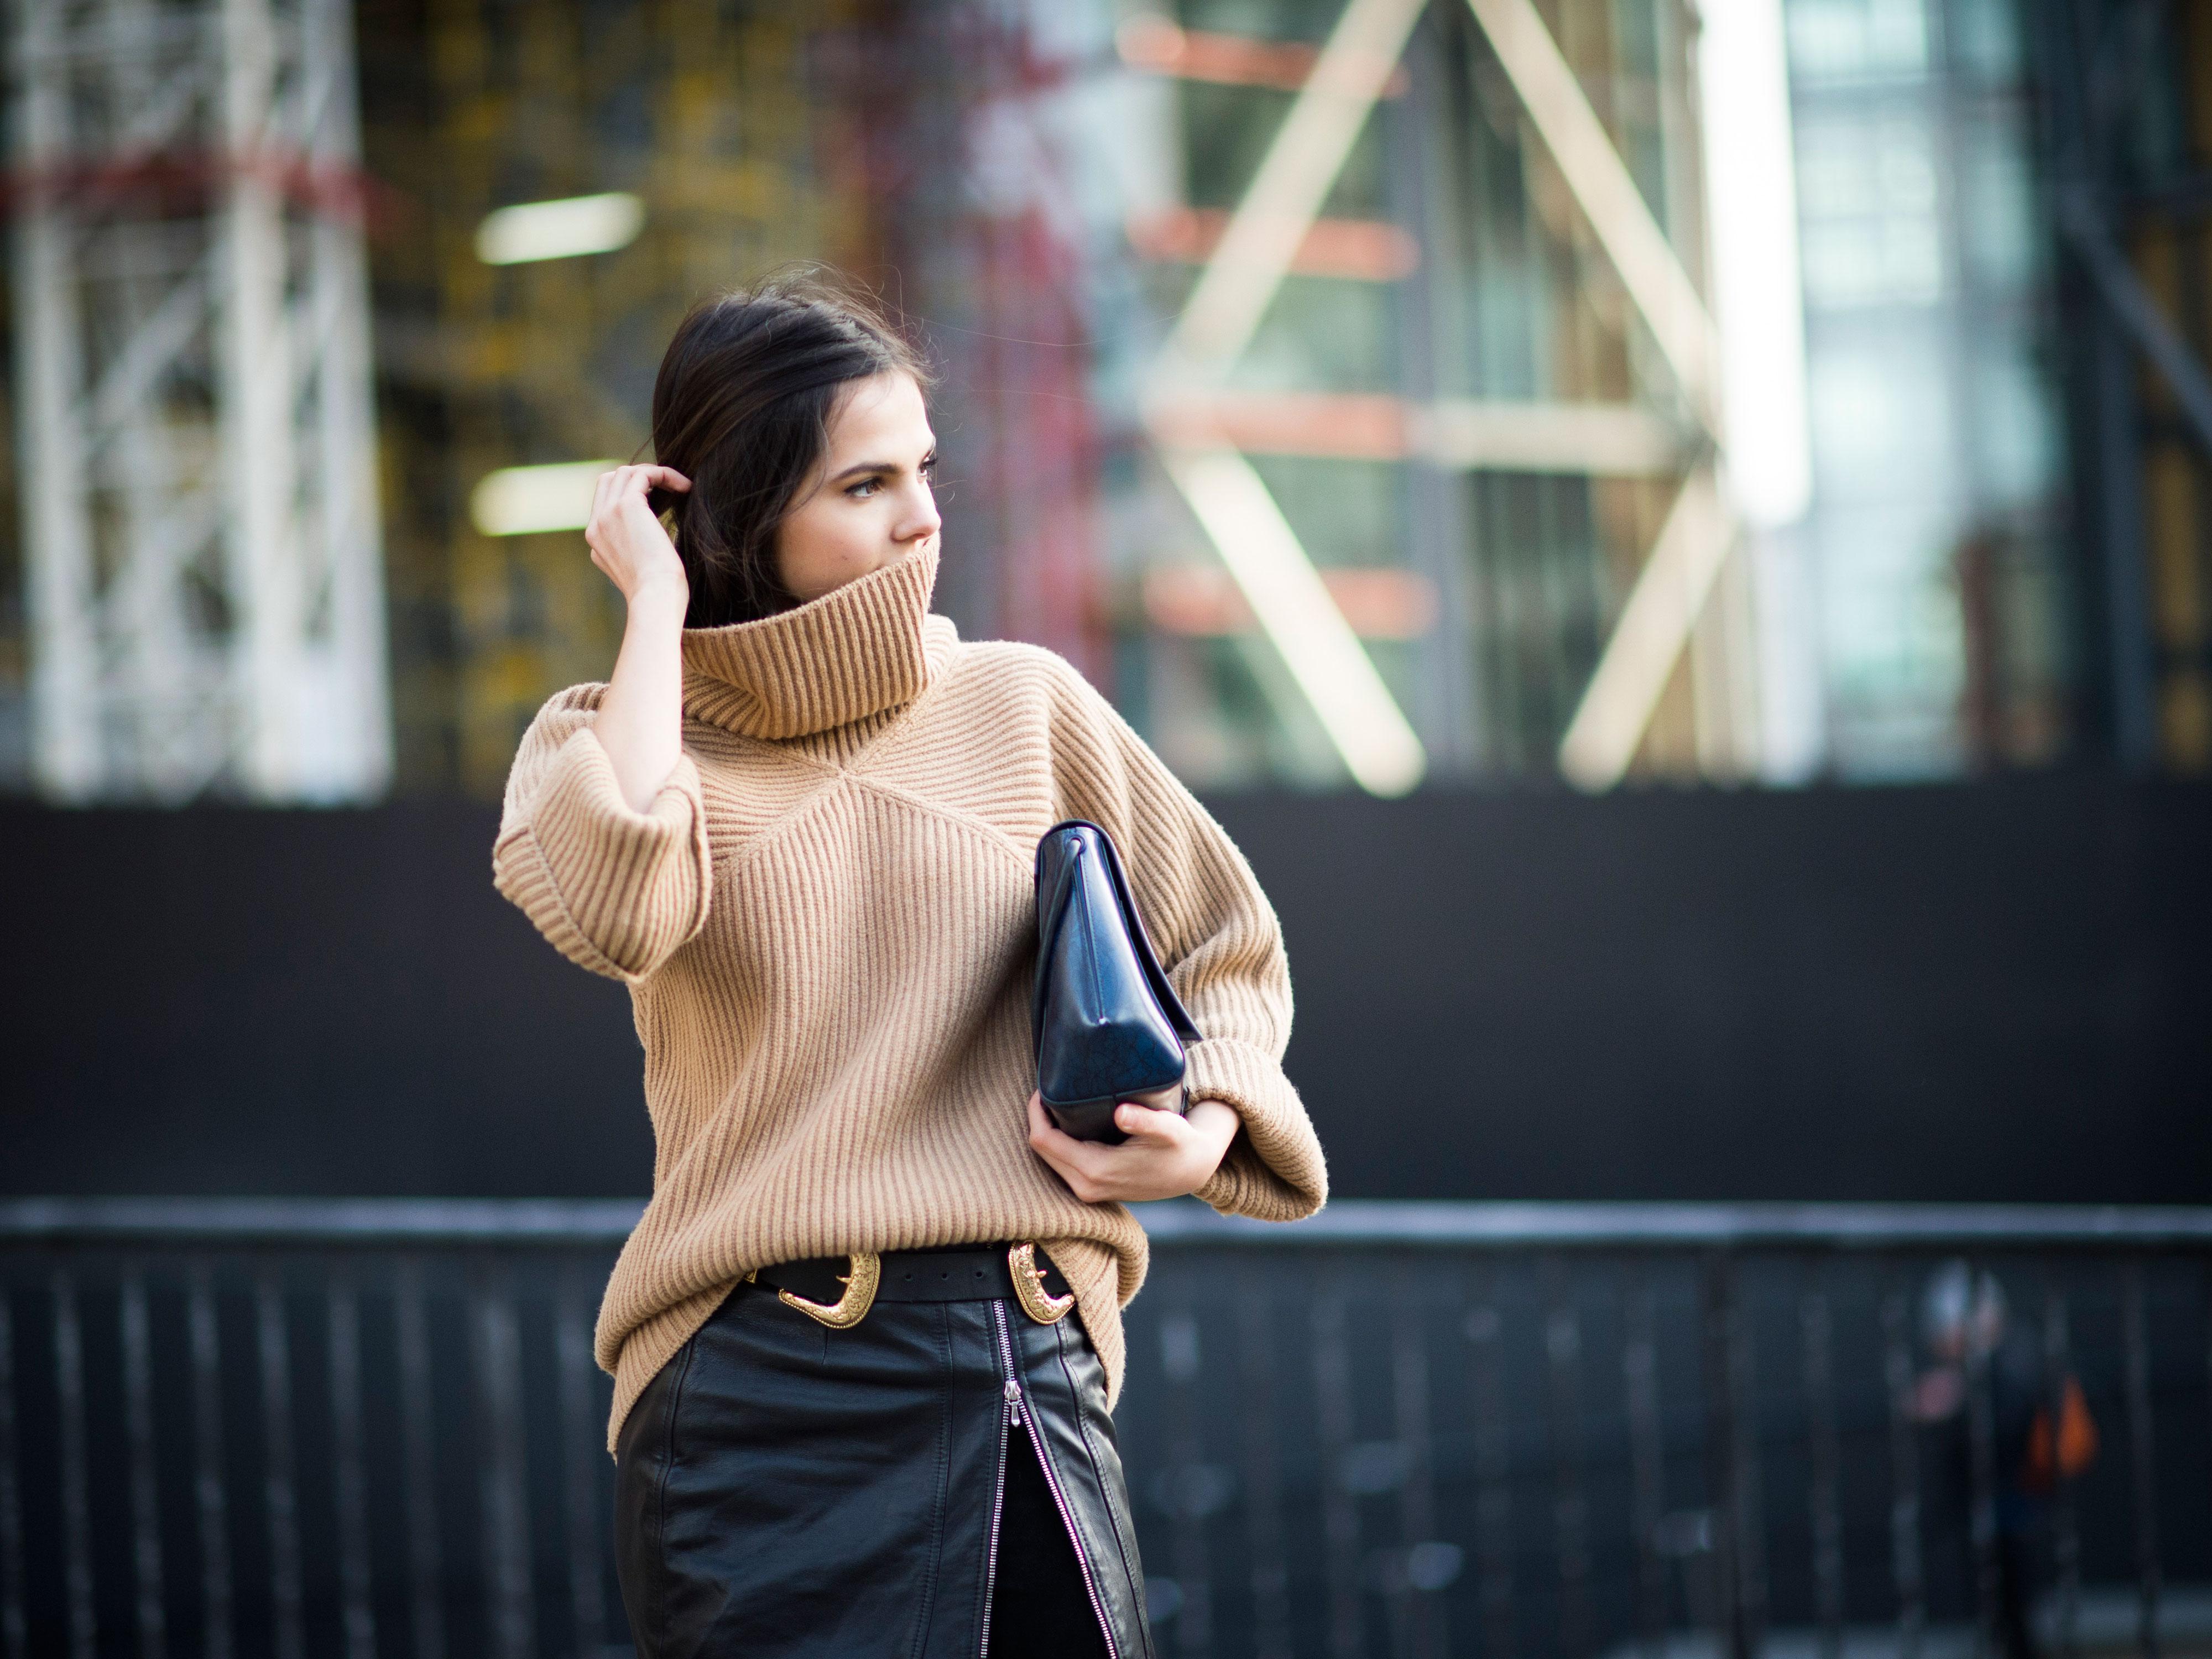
{"x":1219,"y":941}
{"x":616,"y":890}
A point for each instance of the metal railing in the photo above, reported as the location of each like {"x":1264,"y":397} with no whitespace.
{"x":249,"y":1427}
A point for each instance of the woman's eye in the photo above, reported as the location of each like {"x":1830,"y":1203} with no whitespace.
{"x":865,"y":487}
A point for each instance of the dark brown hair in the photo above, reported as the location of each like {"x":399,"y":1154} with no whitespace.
{"x":742,"y":408}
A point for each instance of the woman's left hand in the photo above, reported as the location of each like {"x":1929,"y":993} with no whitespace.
{"x":1166,"y":1155}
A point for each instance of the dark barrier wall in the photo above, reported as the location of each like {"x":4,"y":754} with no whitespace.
{"x":2001,"y":991}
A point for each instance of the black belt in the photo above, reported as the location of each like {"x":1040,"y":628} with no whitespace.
{"x":977,"y":1274}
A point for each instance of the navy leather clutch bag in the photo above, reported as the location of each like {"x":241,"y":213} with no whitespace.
{"x":1107,"y":1024}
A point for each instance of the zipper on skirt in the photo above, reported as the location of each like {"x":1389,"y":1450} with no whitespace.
{"x":1013,"y":1418}
{"x":1007,"y":1418}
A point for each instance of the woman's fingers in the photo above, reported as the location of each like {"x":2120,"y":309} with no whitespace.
{"x":638,"y":480}
{"x":1166,"y":1154}
{"x":1051,"y":1142}
{"x":1072,"y":1160}
{"x":626,"y":538}
{"x":1159,"y":1159}
{"x":1149,"y":1127}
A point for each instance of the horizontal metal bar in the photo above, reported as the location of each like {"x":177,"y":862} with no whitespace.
{"x":414,"y":1223}
{"x":593,"y":1224}
{"x":1418,"y":1223}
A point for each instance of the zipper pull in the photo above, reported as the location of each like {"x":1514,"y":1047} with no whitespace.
{"x":1013,"y":1401}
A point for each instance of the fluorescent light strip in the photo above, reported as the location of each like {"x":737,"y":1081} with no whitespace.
{"x":1292,"y":604}
{"x":525,"y":501}
{"x":560,"y":230}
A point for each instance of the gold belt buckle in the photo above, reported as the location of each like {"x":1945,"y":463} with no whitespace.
{"x":849,"y":1309}
{"x":1029,"y":1287}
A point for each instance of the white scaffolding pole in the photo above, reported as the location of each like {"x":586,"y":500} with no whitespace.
{"x":194,"y":420}
{"x":49,"y":378}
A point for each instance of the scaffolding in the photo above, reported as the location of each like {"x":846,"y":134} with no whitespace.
{"x":1505,"y":201}
{"x":193,"y":420}
{"x":1332,"y":380}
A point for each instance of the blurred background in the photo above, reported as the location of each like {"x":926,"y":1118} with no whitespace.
{"x":1676,"y":533}
{"x":1850,"y":320}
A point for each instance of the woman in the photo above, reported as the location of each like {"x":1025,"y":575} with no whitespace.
{"x":798,"y":822}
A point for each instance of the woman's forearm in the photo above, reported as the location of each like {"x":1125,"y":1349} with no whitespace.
{"x":640,"y":719}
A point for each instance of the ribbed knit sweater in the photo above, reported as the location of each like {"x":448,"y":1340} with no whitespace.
{"x":826,"y":921}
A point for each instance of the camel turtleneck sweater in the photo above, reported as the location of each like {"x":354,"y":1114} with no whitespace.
{"x":826,"y":922}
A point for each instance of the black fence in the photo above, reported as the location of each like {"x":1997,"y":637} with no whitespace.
{"x":249,"y":1427}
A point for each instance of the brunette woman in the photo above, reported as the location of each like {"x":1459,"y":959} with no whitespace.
{"x":797,"y":821}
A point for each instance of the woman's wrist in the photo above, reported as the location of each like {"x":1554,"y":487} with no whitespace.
{"x":1216,"y":1123}
{"x":659,"y":602}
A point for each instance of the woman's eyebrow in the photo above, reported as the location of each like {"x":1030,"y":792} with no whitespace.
{"x":866,"y":466}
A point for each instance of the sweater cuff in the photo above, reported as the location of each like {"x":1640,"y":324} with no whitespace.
{"x":1274,"y":1170}
{"x":620,"y":890}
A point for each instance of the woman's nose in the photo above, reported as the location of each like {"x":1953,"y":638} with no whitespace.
{"x":920,"y":521}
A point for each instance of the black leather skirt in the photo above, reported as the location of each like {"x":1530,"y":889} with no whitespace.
{"x":941,"y":1478}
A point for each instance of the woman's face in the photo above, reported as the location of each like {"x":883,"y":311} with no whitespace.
{"x":868,"y":504}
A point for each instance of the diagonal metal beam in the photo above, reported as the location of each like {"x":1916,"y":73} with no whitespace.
{"x":1284,"y":198}
{"x":1229,"y":499}
{"x":1247,"y":269}
{"x":1662,"y":609}
{"x":1657,"y":284}
{"x":2128,"y":300}
{"x":1294,"y":605}
{"x":1671,"y":591}
{"x":128,"y":381}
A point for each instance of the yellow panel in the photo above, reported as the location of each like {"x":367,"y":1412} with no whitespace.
{"x":2185,"y":721}
{"x":2171,"y":507}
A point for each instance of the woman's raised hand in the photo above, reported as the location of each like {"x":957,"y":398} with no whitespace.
{"x":626,"y":540}
{"x":641,"y":718}
{"x":1166,"y":1155}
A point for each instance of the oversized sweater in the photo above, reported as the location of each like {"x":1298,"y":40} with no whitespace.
{"x":826,"y":921}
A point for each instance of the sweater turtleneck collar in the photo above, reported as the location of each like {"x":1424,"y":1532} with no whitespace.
{"x":858,"y":650}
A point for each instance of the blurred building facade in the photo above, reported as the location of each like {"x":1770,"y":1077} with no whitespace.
{"x":1938,"y":519}
{"x":1357,"y":392}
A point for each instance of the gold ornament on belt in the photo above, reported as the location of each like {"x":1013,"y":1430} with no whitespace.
{"x":1029,"y":1287}
{"x":849,"y":1309}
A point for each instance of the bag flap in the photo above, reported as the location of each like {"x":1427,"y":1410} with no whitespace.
{"x":1141,"y":941}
